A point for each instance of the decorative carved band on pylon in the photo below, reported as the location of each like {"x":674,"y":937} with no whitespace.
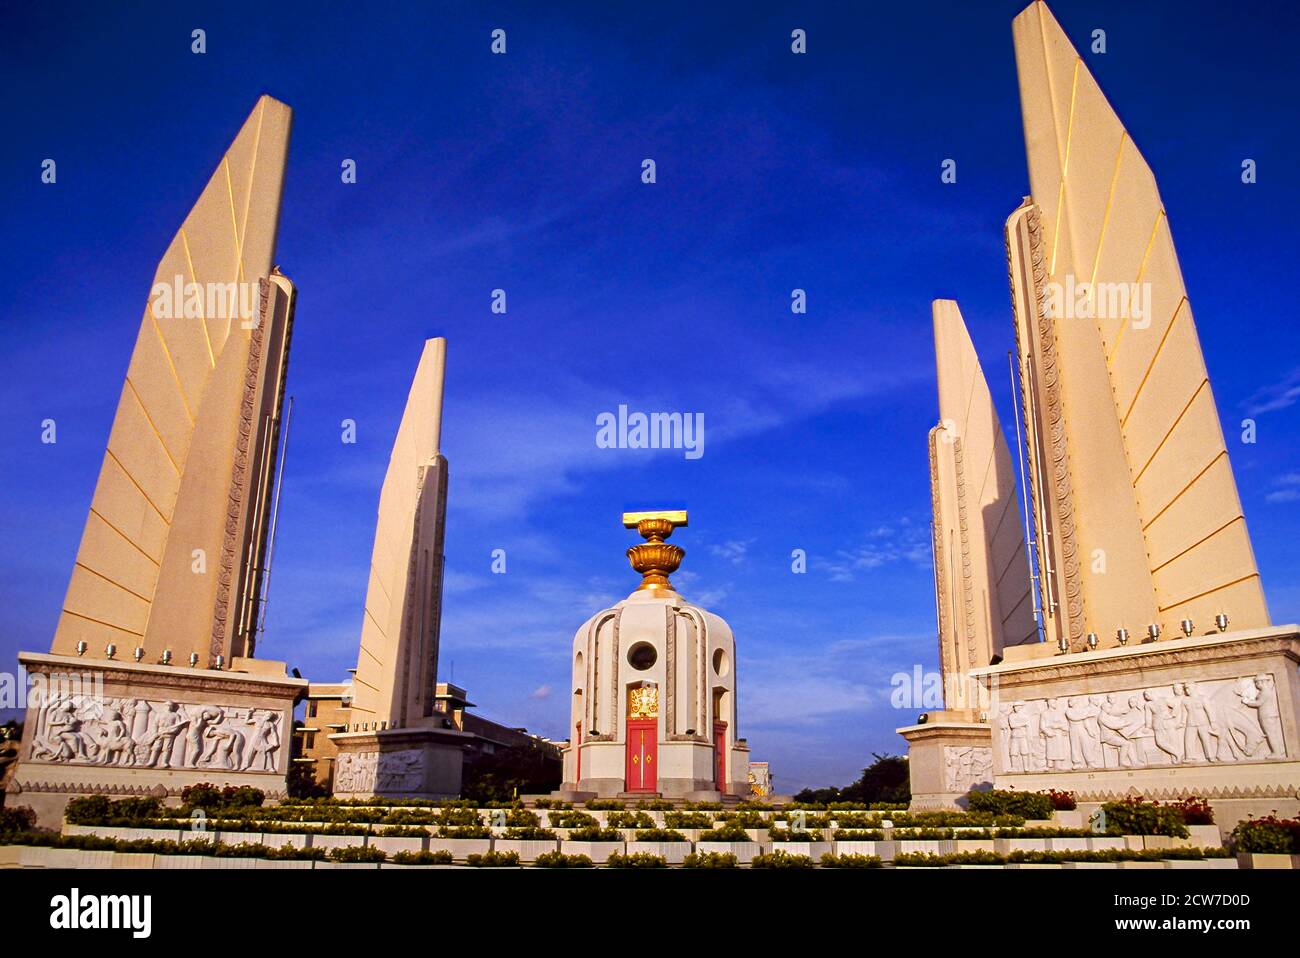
{"x":238,"y":478}
{"x":940,"y":558}
{"x":1058,"y":500}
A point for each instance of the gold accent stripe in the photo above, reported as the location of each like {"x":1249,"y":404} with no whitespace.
{"x":1217,"y":588}
{"x":107,"y":625}
{"x":1105,"y":220}
{"x":1065,"y":163}
{"x":1141,"y":272}
{"x":131,"y":542}
{"x":194,"y":277}
{"x":162,"y":341}
{"x":1154,"y":356}
{"x":153,"y":426}
{"x":1198,"y":542}
{"x":112,"y":582}
{"x":140,"y":488}
{"x":1165,"y":439}
{"x":1181,"y":492}
{"x":252,"y":174}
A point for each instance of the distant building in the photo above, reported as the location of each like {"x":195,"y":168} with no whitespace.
{"x":329,"y":710}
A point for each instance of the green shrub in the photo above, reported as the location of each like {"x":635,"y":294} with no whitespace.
{"x":660,"y":835}
{"x":745,"y":819}
{"x":210,"y":798}
{"x":357,"y":853}
{"x":529,"y":834}
{"x":704,"y":806}
{"x":786,"y":835}
{"x":920,"y":860}
{"x":571,"y":819}
{"x":858,"y":835}
{"x":242,"y":850}
{"x":522,"y":818}
{"x":1005,"y":802}
{"x":710,"y":860}
{"x":655,"y":805}
{"x":726,"y":832}
{"x":830,"y":860}
{"x":1270,"y":835}
{"x":422,"y":858}
{"x":636,"y":819}
{"x":560,"y":860}
{"x":453,"y":817}
{"x":606,"y":805}
{"x":87,"y":810}
{"x":493,"y":860}
{"x":405,"y":831}
{"x":18,"y":819}
{"x":687,"y":820}
{"x":293,"y":852}
{"x":99,"y":810}
{"x":1133,"y":816}
{"x":781,"y":859}
{"x":465,"y":831}
{"x":636,"y":860}
{"x":596,"y":834}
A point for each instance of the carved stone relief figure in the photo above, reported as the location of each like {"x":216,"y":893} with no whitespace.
{"x":1264,"y":701}
{"x":967,"y":766}
{"x":1055,"y":729}
{"x":130,"y":732}
{"x":356,"y":772}
{"x":1185,"y":723}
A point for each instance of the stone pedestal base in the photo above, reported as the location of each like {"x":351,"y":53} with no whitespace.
{"x":127,"y":728}
{"x":400,"y":763}
{"x":946,"y":760}
{"x":1215,"y":716}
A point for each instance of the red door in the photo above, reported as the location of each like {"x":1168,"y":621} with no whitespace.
{"x":720,"y":756}
{"x":642,"y":755}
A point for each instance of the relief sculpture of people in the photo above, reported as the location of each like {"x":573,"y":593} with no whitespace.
{"x":967,"y":767}
{"x":1183,"y":723}
{"x":139,"y":733}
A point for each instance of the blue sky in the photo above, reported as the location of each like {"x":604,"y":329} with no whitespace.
{"x":522,"y":172}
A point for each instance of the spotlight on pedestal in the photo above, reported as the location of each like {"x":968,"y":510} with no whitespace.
{"x":1187,"y":627}
{"x":166,"y":657}
{"x":1063,"y":644}
{"x":1092,"y":640}
{"x":1221,"y":622}
{"x":81,"y":647}
{"x":194,"y":660}
{"x":138,"y":653}
{"x":110,"y":650}
{"x":922,"y":718}
{"x":1122,"y":636}
{"x":1153,"y":632}
{"x":221,"y":662}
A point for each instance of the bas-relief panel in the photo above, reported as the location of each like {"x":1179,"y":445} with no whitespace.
{"x":147,"y":733}
{"x":1185,"y":723}
{"x":966,"y":767}
{"x":379,"y":772}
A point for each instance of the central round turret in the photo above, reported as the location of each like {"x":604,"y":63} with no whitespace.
{"x":653,"y":710}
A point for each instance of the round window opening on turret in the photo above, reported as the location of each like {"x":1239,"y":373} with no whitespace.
{"x":642,"y":656}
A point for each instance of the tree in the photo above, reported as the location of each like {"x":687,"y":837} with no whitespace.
{"x":520,"y":769}
{"x":884,"y":780}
